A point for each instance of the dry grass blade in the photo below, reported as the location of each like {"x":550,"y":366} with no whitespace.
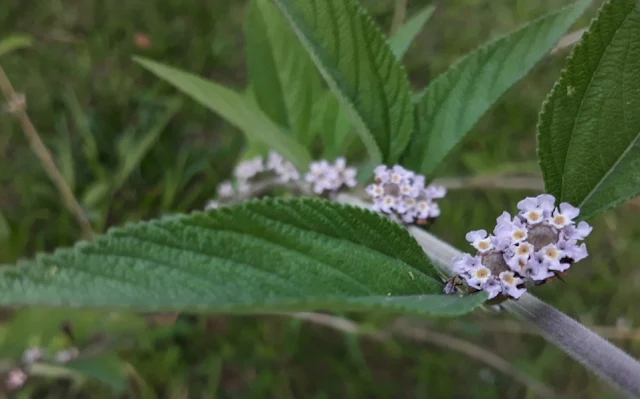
{"x":17,"y":107}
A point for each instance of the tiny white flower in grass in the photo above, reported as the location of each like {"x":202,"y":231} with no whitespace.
{"x":510,"y":285}
{"x":479,"y":240}
{"x":478,"y":276}
{"x":225,"y":189}
{"x":552,"y":256}
{"x":211,"y":205}
{"x":32,"y":355}
{"x":16,"y":379}
{"x":564,"y":215}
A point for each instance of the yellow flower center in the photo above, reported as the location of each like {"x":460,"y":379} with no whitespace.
{"x":482,"y":273}
{"x":551,"y":253}
{"x":508,"y":278}
{"x":483,"y":245}
{"x":389,"y":200}
{"x":533,"y":215}
{"x":524,"y":250}
{"x":519,"y":234}
{"x":522,"y":263}
{"x":560,"y":220}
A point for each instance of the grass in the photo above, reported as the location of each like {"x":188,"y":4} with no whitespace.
{"x":92,"y":105}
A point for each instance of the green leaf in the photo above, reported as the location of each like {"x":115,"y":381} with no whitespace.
{"x":284,"y":79}
{"x":333,"y":124}
{"x":262,"y":256}
{"x":235,"y":108}
{"x":14,"y":42}
{"x":453,"y":103}
{"x":359,"y":67}
{"x":132,"y":155}
{"x":403,"y":38}
{"x":589,"y":128}
{"x":261,"y":67}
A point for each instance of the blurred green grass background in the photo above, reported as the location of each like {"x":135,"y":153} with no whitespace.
{"x":92,"y":105}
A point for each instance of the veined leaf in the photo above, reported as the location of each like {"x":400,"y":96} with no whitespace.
{"x":261,"y":67}
{"x":262,"y":256}
{"x":14,"y":42}
{"x":453,"y":103}
{"x":589,"y":128}
{"x":284,"y":79}
{"x":334,"y":125}
{"x":403,"y":38}
{"x":358,"y":65}
{"x":233,"y":107}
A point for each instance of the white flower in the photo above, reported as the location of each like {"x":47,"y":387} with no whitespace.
{"x":382,"y":174}
{"x":327,"y":177}
{"x":464,"y":263}
{"x":579,"y":232}
{"x":537,"y":269}
{"x":16,"y":379}
{"x":248,"y":169}
{"x":384,"y":204}
{"x":375,"y":190}
{"x":552,"y":256}
{"x":479,"y":240}
{"x":564,"y":215}
{"x":571,"y":250}
{"x":510,"y":285}
{"x":32,"y":355}
{"x":225,"y":189}
{"x":211,"y":205}
{"x":423,"y":209}
{"x":492,"y":287}
{"x":478,"y":276}
{"x":435,"y":192}
{"x":534,"y":210}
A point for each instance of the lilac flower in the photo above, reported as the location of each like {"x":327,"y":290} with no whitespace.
{"x":414,"y":203}
{"x":510,"y":285}
{"x":564,"y":216}
{"x":532,"y":246}
{"x":225,"y":189}
{"x":478,"y":276}
{"x":479,"y":240}
{"x":579,"y":232}
{"x":537,"y":269}
{"x":552,"y":256}
{"x":332,"y":177}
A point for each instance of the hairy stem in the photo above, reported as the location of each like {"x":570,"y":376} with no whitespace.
{"x":596,"y":353}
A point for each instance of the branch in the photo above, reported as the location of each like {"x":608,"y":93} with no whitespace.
{"x":596,"y":353}
{"x":399,"y":14}
{"x":533,"y":183}
{"x":17,"y":106}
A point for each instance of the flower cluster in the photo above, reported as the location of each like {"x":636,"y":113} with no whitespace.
{"x":403,"y":193}
{"x":324,"y":176}
{"x":537,"y":244}
{"x":254,"y":169}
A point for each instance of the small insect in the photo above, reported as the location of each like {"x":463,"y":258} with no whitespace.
{"x":452,"y":284}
